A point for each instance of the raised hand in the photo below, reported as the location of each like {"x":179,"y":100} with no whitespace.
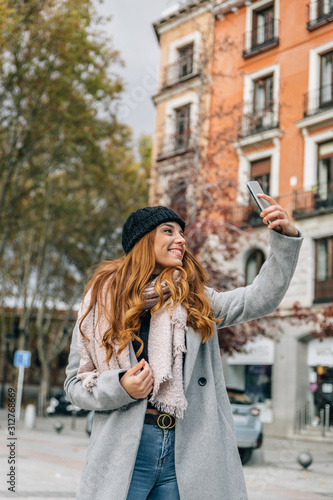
{"x":282,"y":221}
{"x":138,"y":385}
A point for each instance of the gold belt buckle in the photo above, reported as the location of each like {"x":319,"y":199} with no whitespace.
{"x":170,"y":424}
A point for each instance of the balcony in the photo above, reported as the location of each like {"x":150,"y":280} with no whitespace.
{"x":178,"y":72}
{"x":319,"y":13}
{"x":243,"y":214}
{"x":259,"y":121}
{"x":318,"y":100}
{"x":174,"y":145}
{"x":316,"y":201}
{"x":301,"y":203}
{"x":261,"y":38}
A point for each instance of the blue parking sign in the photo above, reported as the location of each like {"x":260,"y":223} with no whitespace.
{"x":22,"y":358}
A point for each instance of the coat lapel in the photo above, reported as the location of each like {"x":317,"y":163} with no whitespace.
{"x":133,"y":358}
{"x":193,"y":341}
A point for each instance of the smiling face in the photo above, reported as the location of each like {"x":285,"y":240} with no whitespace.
{"x":169,"y":246}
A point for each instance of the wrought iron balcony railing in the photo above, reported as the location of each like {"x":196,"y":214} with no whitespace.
{"x":243,"y":214}
{"x":261,"y":38}
{"x":259,"y":121}
{"x":318,"y":13}
{"x":180,"y":71}
{"x":174,"y":145}
{"x":318,"y":100}
{"x":301,"y":203}
{"x":318,"y":199}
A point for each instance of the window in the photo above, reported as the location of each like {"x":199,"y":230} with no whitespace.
{"x":325,"y":175}
{"x":263,"y":25}
{"x":325,"y":7}
{"x":319,"y":98}
{"x":261,"y":171}
{"x":262,"y":114}
{"x":324,"y":269}
{"x":185,"y":61}
{"x":319,"y":12}
{"x":263,"y":103}
{"x":326,"y":88}
{"x":182,"y":135}
{"x":253,"y":265}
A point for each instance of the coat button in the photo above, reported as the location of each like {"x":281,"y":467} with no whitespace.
{"x":202,"y":381}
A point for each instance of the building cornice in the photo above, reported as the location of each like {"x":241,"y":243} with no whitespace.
{"x":223,"y":8}
{"x":180,"y":16}
{"x":182,"y":88}
{"x":324,"y":118}
{"x":256,"y":139}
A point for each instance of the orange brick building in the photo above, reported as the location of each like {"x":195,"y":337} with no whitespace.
{"x":281,"y":65}
{"x":280,"y":68}
{"x":271,"y":94}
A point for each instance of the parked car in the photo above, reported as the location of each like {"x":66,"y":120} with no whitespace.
{"x":248,"y":426}
{"x":89,"y":423}
{"x":60,"y":405}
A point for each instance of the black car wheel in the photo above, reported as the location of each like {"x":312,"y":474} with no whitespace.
{"x":260,"y":440}
{"x":245,"y":454}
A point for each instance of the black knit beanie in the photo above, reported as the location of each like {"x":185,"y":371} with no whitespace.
{"x":145,"y":220}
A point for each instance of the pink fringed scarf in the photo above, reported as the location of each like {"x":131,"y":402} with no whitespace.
{"x":166,"y":345}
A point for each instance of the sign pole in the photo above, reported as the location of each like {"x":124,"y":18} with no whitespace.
{"x":22,"y":359}
{"x":19,"y":393}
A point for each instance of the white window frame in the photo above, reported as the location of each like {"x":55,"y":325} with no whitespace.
{"x":314,"y":67}
{"x":249,"y":84}
{"x":311,"y":143}
{"x":249,"y":19}
{"x":312,"y":10}
{"x":244,"y":170}
{"x":313,"y":13}
{"x":195,"y":38}
{"x":170,"y":110}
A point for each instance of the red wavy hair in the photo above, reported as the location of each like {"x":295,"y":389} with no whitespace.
{"x":121,"y":283}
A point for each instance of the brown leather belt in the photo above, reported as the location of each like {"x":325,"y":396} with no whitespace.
{"x":163,"y":420}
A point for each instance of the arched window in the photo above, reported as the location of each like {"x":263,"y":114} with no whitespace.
{"x":253,"y":264}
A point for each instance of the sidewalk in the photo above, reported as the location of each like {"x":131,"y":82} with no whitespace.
{"x":274,"y":472}
{"x":49,"y":465}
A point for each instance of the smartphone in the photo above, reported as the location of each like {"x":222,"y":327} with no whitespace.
{"x":255,"y":188}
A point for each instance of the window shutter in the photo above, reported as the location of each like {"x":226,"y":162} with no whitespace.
{"x":325,"y":150}
{"x":261,"y":167}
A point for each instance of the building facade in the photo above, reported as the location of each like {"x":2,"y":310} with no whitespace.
{"x":182,"y":102}
{"x":270,"y":79}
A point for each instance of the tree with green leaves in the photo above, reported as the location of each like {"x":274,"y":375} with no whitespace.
{"x":68,"y":176}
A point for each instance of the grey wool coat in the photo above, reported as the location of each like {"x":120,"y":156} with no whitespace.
{"x":206,"y":457}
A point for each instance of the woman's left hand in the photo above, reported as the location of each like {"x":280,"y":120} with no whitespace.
{"x":282,"y":221}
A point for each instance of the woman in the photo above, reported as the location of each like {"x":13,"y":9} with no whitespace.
{"x":145,"y":357}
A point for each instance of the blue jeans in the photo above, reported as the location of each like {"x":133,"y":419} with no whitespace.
{"x":154,"y":475}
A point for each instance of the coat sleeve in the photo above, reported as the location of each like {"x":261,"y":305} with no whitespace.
{"x":107,"y":394}
{"x":266,"y":292}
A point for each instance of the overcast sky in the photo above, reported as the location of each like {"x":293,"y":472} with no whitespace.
{"x":133,"y":35}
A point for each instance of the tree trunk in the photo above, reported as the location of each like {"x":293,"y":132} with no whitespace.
{"x":44,"y":387}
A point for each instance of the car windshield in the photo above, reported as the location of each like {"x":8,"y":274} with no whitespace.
{"x":239,"y":398}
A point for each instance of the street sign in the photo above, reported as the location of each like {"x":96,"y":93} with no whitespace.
{"x":22,"y":358}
